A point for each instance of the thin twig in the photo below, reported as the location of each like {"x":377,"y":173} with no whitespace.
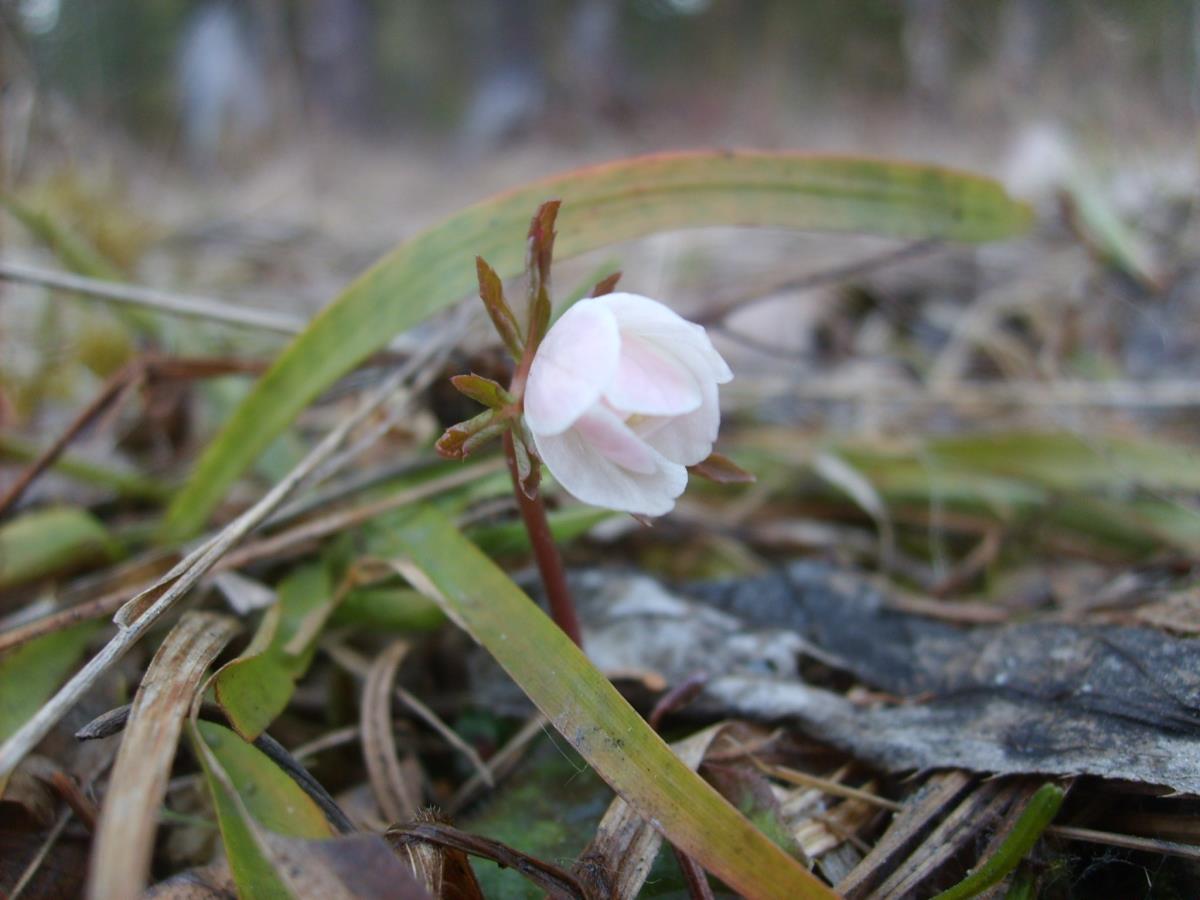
{"x":677,"y":698}
{"x":159,"y":301}
{"x":555,"y":881}
{"x":825,"y":786}
{"x":1162,"y":393}
{"x":693,"y":876}
{"x":113,"y":394}
{"x":854,"y":269}
{"x":35,"y":863}
{"x":500,"y":764}
{"x":339,"y":737}
{"x":1127,"y":841}
{"x":430,"y":718}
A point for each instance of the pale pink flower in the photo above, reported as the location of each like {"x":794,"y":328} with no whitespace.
{"x":621,"y":398}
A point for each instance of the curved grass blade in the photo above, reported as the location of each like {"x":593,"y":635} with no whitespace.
{"x":601,"y":205}
{"x":587,"y":710}
{"x":1040,"y":812}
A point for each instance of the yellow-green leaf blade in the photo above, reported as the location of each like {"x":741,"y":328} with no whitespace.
{"x":599,"y":723}
{"x":601,"y":205}
{"x":245,"y":783}
{"x":256,"y":687}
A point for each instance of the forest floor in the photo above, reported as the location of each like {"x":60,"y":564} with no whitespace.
{"x":965,"y":571}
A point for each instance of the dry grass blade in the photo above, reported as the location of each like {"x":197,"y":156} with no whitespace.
{"x":825,"y":786}
{"x":398,"y":798}
{"x":930,"y":802}
{"x":618,"y":860}
{"x":434,"y":721}
{"x":1162,"y":393}
{"x":137,"y":616}
{"x":125,"y":835}
{"x":500,"y":764}
{"x":978,"y":810}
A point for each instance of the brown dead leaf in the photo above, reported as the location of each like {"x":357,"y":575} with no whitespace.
{"x":556,"y":882}
{"x":910,"y":824}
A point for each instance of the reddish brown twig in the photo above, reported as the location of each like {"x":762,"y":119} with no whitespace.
{"x":116,"y":390}
{"x":545,"y":550}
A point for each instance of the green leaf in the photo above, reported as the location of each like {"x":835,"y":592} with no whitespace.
{"x":389,"y":609}
{"x":1102,"y":227}
{"x":29,"y":673}
{"x":250,"y":791}
{"x":491,"y":292}
{"x":601,"y":205}
{"x":256,"y":687}
{"x":75,"y":252}
{"x":483,"y":391}
{"x":48,"y":541}
{"x":587,"y":710}
{"x":458,"y":441}
{"x":540,"y":250}
{"x":1071,"y":461}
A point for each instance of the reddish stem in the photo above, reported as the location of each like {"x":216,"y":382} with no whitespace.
{"x":545,"y":551}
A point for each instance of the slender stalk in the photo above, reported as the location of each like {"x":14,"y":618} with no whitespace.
{"x":545,"y":551}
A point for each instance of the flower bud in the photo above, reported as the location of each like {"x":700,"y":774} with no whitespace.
{"x":621,"y":399}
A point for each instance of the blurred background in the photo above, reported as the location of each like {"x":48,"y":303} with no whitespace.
{"x":499,"y":89}
{"x":266,"y":152}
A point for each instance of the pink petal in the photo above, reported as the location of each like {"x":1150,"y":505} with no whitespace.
{"x":686,"y":439}
{"x":605,"y":432}
{"x":653,"y":321}
{"x":574,"y":364}
{"x":585,"y":473}
{"x":650,"y":381}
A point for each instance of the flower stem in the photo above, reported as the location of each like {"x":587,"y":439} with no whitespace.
{"x":545,"y":551}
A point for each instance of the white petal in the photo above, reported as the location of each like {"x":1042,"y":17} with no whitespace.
{"x":587,"y":474}
{"x":686,"y":439}
{"x":654,"y":321}
{"x":652,"y":381}
{"x":573,"y":366}
{"x":604,"y":431}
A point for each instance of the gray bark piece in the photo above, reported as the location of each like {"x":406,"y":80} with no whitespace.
{"x":1036,"y":697}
